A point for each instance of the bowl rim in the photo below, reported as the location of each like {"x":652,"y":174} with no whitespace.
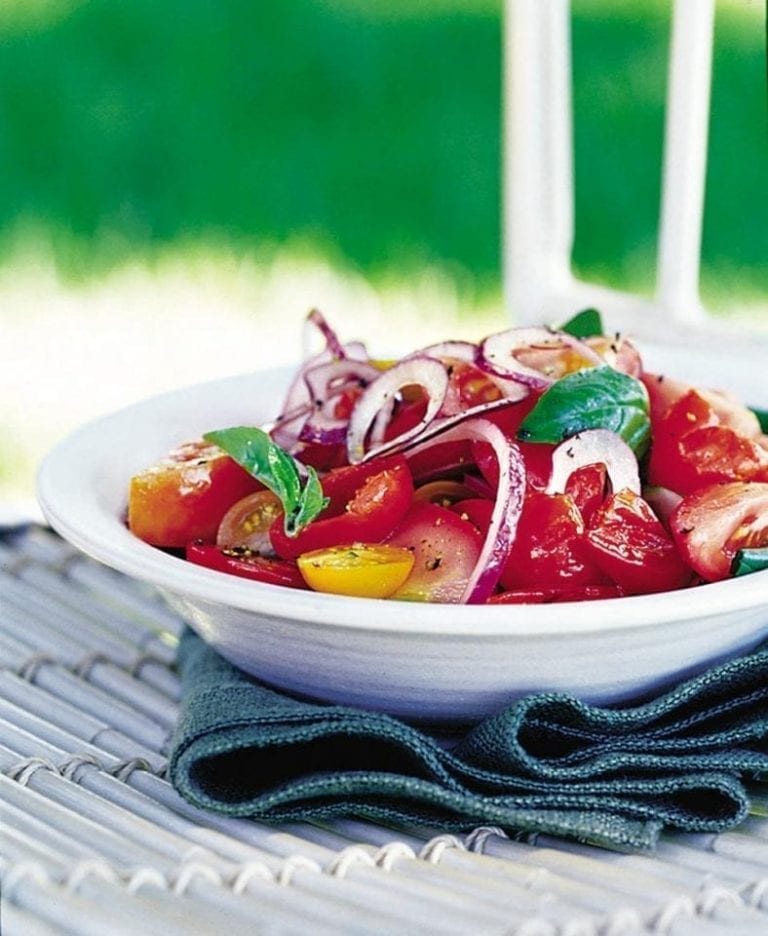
{"x":102,"y":534}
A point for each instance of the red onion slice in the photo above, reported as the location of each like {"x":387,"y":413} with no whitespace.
{"x":458,"y":350}
{"x":506,"y":510}
{"x":298,"y":402}
{"x":497,"y":354}
{"x":419,"y":371}
{"x":591,"y":447}
{"x":325,"y":384}
{"x":332,"y":342}
{"x":434,"y":429}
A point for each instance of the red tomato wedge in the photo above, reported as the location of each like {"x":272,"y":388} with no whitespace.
{"x":663,"y":392}
{"x":367,"y":502}
{"x":710,"y":525}
{"x":549,"y":548}
{"x":244,"y":563}
{"x":184,"y":496}
{"x":692,"y":447}
{"x":628,"y":542}
{"x":446,"y":549}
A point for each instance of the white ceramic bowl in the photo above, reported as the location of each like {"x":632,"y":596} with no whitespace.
{"x":430,"y":662}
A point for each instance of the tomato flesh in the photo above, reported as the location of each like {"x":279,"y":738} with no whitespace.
{"x":445,"y":548}
{"x":712,"y":524}
{"x":367,"y":502}
{"x":184,"y":496}
{"x":362,"y":570}
{"x":244,"y":563}
{"x":247,"y":522}
{"x":630,"y":545}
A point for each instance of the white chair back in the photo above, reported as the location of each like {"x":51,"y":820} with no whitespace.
{"x":538,"y":174}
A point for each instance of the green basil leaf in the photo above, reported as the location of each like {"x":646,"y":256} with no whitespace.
{"x":762,"y":417}
{"x":276,"y":469}
{"x":311,"y":502}
{"x":585,"y":324}
{"x":749,"y":560}
{"x":596,"y":398}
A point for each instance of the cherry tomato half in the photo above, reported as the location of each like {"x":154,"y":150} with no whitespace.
{"x":710,"y":525}
{"x":184,"y":496}
{"x":445,"y":548}
{"x":245,"y":563}
{"x":363,"y":570}
{"x":247,"y":522}
{"x":367,"y":502}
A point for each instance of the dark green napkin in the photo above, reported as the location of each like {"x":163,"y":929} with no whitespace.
{"x":547,"y":763}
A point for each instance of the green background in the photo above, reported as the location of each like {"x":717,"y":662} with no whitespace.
{"x":365,"y":130}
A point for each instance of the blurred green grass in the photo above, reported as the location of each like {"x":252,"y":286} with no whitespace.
{"x":367,"y":131}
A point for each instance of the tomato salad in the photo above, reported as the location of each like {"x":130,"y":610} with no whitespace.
{"x":537,"y":465}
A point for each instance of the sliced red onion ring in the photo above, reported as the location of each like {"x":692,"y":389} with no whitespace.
{"x":298,"y":403}
{"x":591,"y":447}
{"x":434,"y":429}
{"x":506,"y":510}
{"x":458,"y":350}
{"x":498,"y":353}
{"x":326,"y":383}
{"x":332,"y":342}
{"x":331,"y":378}
{"x":418,"y":371}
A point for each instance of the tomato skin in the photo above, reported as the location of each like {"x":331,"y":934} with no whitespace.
{"x":184,"y":496}
{"x":664,"y":392}
{"x":537,"y":457}
{"x":548,"y":594}
{"x":712,"y":524}
{"x":445,"y":548}
{"x":629,"y":543}
{"x":692,"y":447}
{"x":441,"y":460}
{"x":477,"y":510}
{"x":322,"y":457}
{"x":246,"y":564}
{"x":367,"y":502}
{"x":549,"y":546}
{"x":362,"y":570}
{"x":587,"y":486}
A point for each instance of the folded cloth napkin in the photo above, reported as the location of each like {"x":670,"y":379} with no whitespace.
{"x":547,"y":763}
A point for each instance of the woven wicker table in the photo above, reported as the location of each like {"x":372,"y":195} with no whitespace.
{"x":93,"y":839}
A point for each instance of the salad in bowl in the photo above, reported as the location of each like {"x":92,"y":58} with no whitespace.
{"x":437,"y":534}
{"x":537,"y":465}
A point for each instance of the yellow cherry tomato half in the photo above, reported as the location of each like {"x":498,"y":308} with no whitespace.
{"x":361,"y":570}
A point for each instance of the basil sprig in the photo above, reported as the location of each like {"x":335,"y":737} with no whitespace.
{"x":595,"y":398}
{"x":584,"y":324}
{"x":302,"y":498}
{"x":762,"y":417}
{"x":749,"y":560}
